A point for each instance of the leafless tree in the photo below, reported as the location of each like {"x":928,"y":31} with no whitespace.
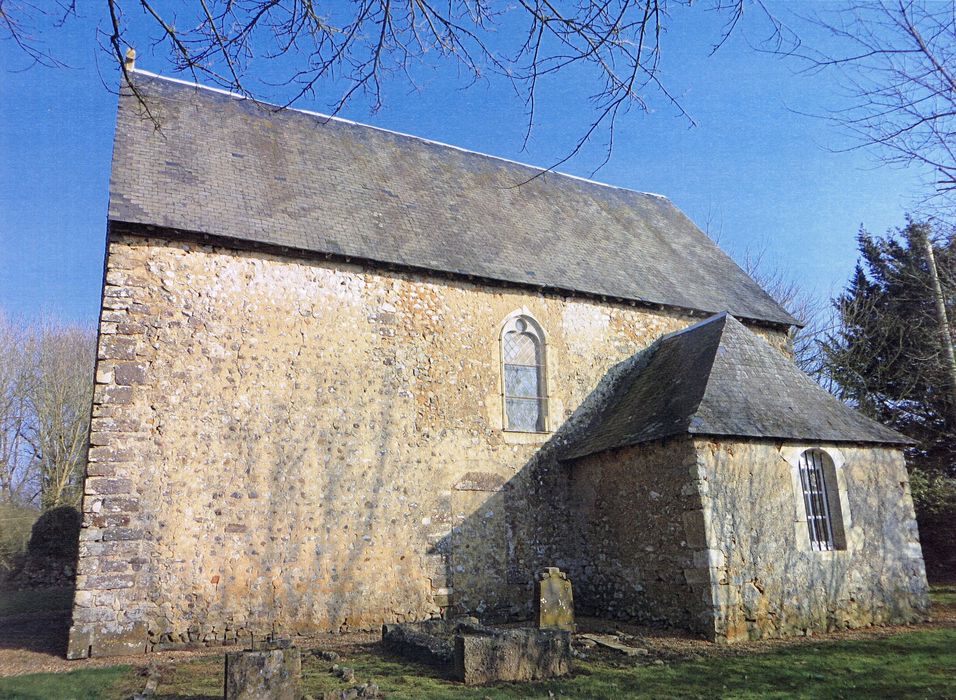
{"x":15,"y":377}
{"x":802,"y":304}
{"x":46,"y":384}
{"x":899,"y":70}
{"x":60,"y":398}
{"x":23,"y":22}
{"x":613,"y":45}
{"x":810,"y":310}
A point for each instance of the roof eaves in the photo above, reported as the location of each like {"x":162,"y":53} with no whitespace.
{"x":136,"y":228}
{"x":903,"y":441}
{"x":676,"y":432}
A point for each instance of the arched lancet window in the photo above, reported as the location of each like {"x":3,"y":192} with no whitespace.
{"x":817,"y":477}
{"x":523,"y":375}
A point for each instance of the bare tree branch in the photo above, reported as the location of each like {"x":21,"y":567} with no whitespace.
{"x":614,"y":45}
{"x":899,"y":72}
{"x":21,"y":22}
{"x":799,"y":301}
{"x":46,"y":382}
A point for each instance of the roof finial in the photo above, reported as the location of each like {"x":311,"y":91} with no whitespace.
{"x":130,"y":63}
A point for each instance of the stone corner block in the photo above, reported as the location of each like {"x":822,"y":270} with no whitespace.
{"x":78,"y":647}
{"x":695,"y":528}
{"x":128,"y":373}
{"x":96,"y":640}
{"x":709,"y":558}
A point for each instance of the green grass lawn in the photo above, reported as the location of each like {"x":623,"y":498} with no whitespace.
{"x":88,"y":684}
{"x":943,"y":594}
{"x":918,"y":664}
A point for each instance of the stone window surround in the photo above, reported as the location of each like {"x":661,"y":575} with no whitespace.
{"x":842,"y":521}
{"x":521,"y":436}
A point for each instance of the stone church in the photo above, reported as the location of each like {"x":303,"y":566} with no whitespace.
{"x":347,"y":376}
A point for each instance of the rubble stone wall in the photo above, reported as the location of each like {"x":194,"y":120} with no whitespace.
{"x":641,"y":558}
{"x":290,"y":444}
{"x":767,"y":581}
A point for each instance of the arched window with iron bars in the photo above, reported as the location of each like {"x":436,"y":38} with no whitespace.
{"x":817,"y":499}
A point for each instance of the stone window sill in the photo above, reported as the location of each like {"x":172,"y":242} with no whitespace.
{"x":519,"y":437}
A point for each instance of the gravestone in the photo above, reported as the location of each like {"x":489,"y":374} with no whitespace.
{"x":266,"y":674}
{"x":553,"y":601}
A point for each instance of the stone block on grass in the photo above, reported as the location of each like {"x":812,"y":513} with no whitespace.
{"x":270,"y":674}
{"x":512,"y":655}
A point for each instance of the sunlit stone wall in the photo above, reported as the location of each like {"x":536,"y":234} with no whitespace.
{"x":295,"y":445}
{"x":766,"y":579}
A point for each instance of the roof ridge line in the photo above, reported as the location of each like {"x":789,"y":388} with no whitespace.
{"x":711,"y":362}
{"x":710,"y":319}
{"x":352,"y":122}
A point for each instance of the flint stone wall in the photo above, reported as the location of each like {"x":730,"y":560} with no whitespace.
{"x":766,"y":581}
{"x":712,"y":536}
{"x":641,"y":557}
{"x":289,"y":445}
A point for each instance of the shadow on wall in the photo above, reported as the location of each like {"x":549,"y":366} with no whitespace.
{"x":262,"y":587}
{"x":38,"y":597}
{"x":780,"y":586}
{"x":493,"y":538}
{"x":504,"y":532}
{"x":633,"y":555}
{"x":499,"y":532}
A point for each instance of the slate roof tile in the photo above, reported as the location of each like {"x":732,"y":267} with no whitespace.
{"x":242,"y":170}
{"x":718,"y":378}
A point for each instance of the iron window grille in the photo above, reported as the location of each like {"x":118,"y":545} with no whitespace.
{"x":817,"y":501}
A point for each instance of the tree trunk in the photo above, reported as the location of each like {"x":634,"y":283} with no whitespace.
{"x":945,"y":335}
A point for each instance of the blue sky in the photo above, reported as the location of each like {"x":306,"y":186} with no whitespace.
{"x":755,"y":171}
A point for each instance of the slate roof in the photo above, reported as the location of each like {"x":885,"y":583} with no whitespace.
{"x":234,"y":168}
{"x":718,"y":378}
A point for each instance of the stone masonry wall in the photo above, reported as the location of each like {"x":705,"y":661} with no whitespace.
{"x":768,"y":582}
{"x":302,"y":445}
{"x":642,"y":553}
